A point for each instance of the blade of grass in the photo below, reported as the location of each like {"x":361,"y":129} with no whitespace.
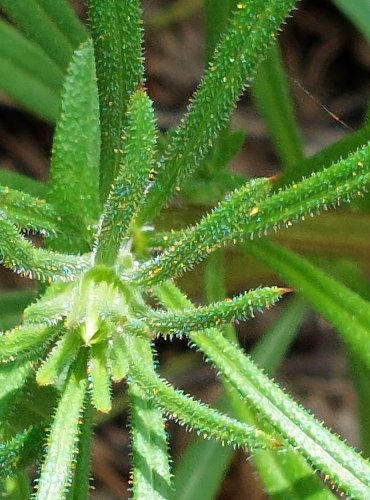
{"x":64,"y":17}
{"x":21,"y":182}
{"x":28,"y":90}
{"x":345,"y":309}
{"x":271,"y":93}
{"x":358,"y":12}
{"x":18,"y":254}
{"x":328,"y":155}
{"x":12,"y":304}
{"x":29,"y":58}
{"x":42,"y":26}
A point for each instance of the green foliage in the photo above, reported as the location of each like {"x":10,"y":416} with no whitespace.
{"x":77,"y":157}
{"x":133,"y":181}
{"x":116,"y":31}
{"x":251,"y":31}
{"x":192,"y":318}
{"x":51,"y":26}
{"x":94,"y":319}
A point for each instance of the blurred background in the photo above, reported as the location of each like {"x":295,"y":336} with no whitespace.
{"x":327,"y":61}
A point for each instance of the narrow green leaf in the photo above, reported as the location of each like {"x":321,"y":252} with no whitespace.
{"x":27,"y":212}
{"x":29,"y":58}
{"x":76,"y":151}
{"x":345,"y":309}
{"x":24,"y":341}
{"x":15,"y":180}
{"x":41,"y":27}
{"x":191,"y":245}
{"x":252,"y":29}
{"x":198,"y":318}
{"x":244,"y":213}
{"x":18,"y":254}
{"x":271,"y":93}
{"x":33,"y":94}
{"x":300,"y":429}
{"x":60,"y":358}
{"x":13,"y":376}
{"x":12,"y":305}
{"x":151,"y":476}
{"x":119,"y":69}
{"x":358,"y":12}
{"x":99,"y":377}
{"x":285,"y":472}
{"x":52,"y":307}
{"x":133,"y":180}
{"x":21,"y":451}
{"x":347,"y":470}
{"x":187,"y":411}
{"x":270,"y":350}
{"x":57,"y":468}
{"x":64,"y":17}
{"x":118,"y":357}
{"x":81,"y":476}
